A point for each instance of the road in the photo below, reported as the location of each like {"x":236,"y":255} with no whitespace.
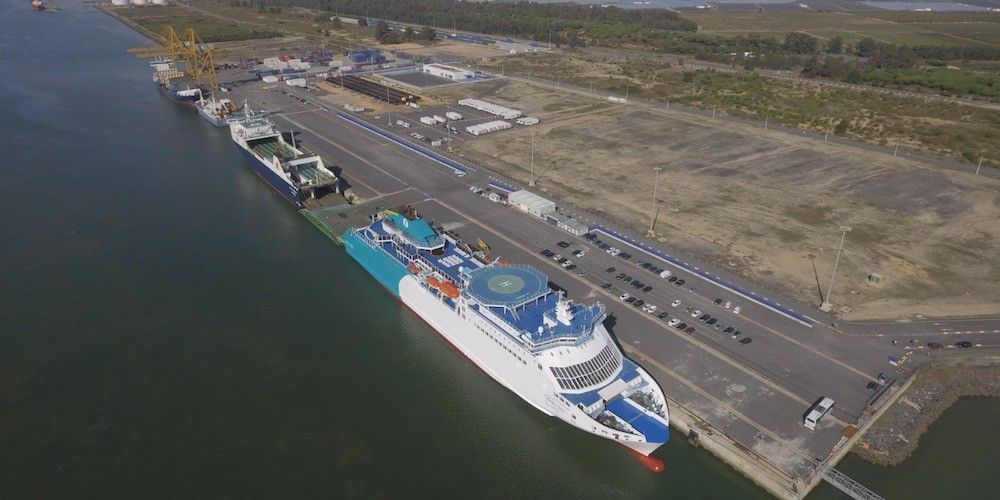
{"x":755,"y":393}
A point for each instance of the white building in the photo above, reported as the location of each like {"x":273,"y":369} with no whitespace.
{"x":567,"y":223}
{"x":448,"y":72}
{"x":531,"y":203}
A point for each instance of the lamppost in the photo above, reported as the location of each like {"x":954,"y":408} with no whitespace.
{"x":531,"y":172}
{"x":827,"y":305}
{"x":652,"y":215}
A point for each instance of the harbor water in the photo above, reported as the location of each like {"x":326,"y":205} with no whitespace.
{"x":171,"y":326}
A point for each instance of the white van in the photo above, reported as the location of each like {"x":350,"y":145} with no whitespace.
{"x":817,"y":411}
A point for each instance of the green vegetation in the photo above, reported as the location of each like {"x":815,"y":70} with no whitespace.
{"x":211,"y":29}
{"x":563,"y":22}
{"x":937,"y":127}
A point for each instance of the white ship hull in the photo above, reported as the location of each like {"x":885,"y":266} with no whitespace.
{"x":523,"y":375}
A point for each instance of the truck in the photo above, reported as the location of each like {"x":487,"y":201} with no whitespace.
{"x":439,"y":119}
{"x":426,"y":120}
{"x":453,"y":115}
{"x":665,"y":274}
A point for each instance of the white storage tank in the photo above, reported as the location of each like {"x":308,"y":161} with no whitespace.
{"x":158,"y":2}
{"x":138,"y":2}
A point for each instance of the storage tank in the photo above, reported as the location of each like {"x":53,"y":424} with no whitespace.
{"x":158,"y":2}
{"x":139,"y":2}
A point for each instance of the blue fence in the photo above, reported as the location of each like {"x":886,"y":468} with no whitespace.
{"x":746,"y":294}
{"x":502,"y":187}
{"x":452,"y":164}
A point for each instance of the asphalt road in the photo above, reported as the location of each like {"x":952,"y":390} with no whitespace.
{"x":755,"y":393}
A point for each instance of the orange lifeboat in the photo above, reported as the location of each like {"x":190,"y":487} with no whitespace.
{"x":449,"y":289}
{"x":413,"y":268}
{"x":434,"y":282}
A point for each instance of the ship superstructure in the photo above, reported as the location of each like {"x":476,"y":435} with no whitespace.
{"x":217,"y":111}
{"x":554,"y":353}
{"x":287,"y":169}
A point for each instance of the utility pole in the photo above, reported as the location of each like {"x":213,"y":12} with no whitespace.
{"x":765,"y":122}
{"x":895,"y":151}
{"x":827,"y":305}
{"x":980,"y":165}
{"x":652,"y":215}
{"x":626,"y":94}
{"x":531,"y":172}
{"x":826,"y":138}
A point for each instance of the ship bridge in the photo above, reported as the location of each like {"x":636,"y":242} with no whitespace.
{"x":521,"y":297}
{"x":416,"y":232}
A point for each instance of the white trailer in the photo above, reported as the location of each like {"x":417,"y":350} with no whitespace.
{"x":453,"y":115}
{"x":488,"y":127}
{"x":426,"y":120}
{"x":439,"y":119}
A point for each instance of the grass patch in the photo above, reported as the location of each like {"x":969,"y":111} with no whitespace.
{"x":210,"y":29}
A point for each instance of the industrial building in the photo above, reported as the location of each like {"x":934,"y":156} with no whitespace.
{"x":372,"y":89}
{"x":567,"y":223}
{"x":448,"y":72}
{"x":531,"y":203}
{"x":493,"y":109}
{"x":365,"y":57}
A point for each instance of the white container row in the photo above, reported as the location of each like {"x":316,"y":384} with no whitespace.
{"x":488,"y":127}
{"x":493,"y":109}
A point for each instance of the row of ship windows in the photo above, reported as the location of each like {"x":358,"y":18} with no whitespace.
{"x":502,"y":344}
{"x":590,"y":372}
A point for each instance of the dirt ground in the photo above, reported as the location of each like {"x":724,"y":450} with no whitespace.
{"x":766,"y":204}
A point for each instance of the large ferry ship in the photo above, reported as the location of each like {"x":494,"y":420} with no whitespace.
{"x":554,"y":353}
{"x":286,"y":168}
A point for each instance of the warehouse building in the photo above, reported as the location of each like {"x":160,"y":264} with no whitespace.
{"x":567,"y":223}
{"x":448,"y":72}
{"x":531,"y":203}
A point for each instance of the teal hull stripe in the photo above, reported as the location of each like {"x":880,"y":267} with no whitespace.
{"x":387,"y":270}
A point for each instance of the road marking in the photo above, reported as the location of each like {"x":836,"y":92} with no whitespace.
{"x":687,"y":338}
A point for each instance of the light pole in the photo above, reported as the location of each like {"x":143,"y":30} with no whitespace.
{"x":652,"y":215}
{"x":826,"y":305}
{"x":531,"y":172}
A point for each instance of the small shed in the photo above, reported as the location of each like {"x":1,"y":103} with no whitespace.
{"x":531,"y":203}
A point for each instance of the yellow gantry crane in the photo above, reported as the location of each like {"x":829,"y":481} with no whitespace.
{"x":198,"y":57}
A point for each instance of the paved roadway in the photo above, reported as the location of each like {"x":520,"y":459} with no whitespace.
{"x":755,"y":393}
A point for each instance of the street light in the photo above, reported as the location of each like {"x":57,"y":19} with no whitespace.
{"x":652,"y":215}
{"x":826,"y":305}
{"x":531,"y":172}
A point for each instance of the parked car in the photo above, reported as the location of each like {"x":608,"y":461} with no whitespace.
{"x":737,"y":309}
{"x":679,"y":282}
{"x":562,"y":244}
{"x":704,"y":317}
{"x":672,"y":279}
{"x":711,"y":321}
{"x":717,"y":301}
{"x":676,"y":303}
{"x":609,"y":270}
{"x":606,"y":286}
{"x":624,"y":296}
{"x":571,"y":267}
{"x":728,"y":304}
{"x":696,"y":313}
{"x":651,"y":309}
{"x":620,"y":275}
{"x":630,"y":300}
{"x":728,"y":329}
{"x":934,"y":345}
{"x":638,"y":303}
{"x":647,"y":288}
{"x":746,"y":340}
{"x":662,"y":315}
{"x":683,"y":326}
{"x":689,"y":330}
{"x":872,"y":386}
{"x":963,"y":344}
{"x":674,"y":322}
{"x":736,"y":334}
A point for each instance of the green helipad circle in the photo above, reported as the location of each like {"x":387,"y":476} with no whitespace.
{"x":506,"y":284}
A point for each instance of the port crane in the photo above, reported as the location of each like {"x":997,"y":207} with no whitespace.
{"x":187,"y":46}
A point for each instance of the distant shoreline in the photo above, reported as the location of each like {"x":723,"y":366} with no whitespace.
{"x":939,"y":385}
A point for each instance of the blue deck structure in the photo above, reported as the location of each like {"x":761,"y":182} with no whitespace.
{"x":627,"y":410}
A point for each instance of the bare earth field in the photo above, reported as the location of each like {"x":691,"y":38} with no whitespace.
{"x":767,"y":205}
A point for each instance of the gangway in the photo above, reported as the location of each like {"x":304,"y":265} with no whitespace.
{"x":849,"y":486}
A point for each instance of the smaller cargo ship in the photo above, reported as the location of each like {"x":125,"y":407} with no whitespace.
{"x":165,"y":76}
{"x":216,"y":111}
{"x":297,"y":177}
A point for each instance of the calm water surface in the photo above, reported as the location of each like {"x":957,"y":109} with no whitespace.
{"x":172,"y":326}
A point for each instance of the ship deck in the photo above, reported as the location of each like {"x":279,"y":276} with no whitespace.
{"x":271,"y":146}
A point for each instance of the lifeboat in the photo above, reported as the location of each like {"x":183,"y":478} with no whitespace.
{"x":449,"y":289}
{"x":434,"y":282}
{"x":413,"y":268}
